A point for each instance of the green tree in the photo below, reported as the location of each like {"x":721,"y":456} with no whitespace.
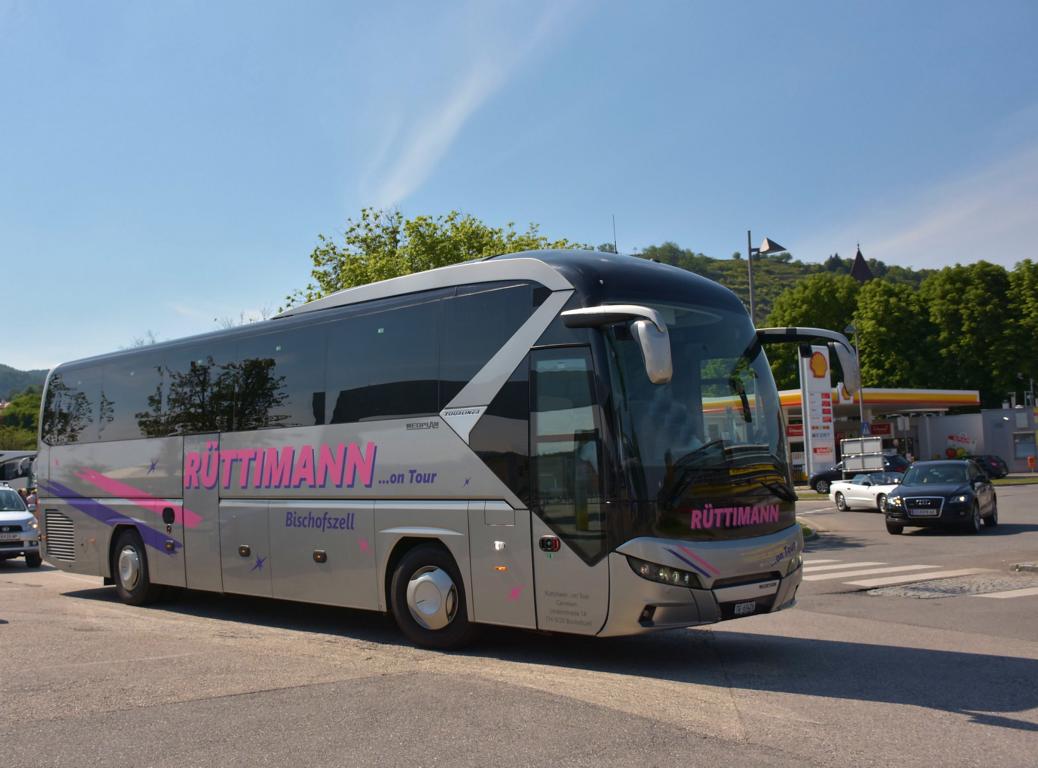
{"x":895,"y":336}
{"x":1023,"y":309}
{"x":975,"y":334}
{"x":18,"y":421}
{"x":383,"y":244}
{"x":823,"y":300}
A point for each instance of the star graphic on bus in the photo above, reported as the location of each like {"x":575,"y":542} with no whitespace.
{"x":259,"y":564}
{"x":153,"y":466}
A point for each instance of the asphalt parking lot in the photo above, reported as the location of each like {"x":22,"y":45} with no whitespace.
{"x":893,"y":674}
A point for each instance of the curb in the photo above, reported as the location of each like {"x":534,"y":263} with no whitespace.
{"x":814,"y":531}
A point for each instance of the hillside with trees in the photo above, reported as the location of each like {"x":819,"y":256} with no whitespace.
{"x":12,"y":380}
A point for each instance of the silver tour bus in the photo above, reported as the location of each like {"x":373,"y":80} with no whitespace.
{"x":566,"y":441}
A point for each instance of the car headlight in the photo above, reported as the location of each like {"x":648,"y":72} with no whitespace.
{"x":33,"y":525}
{"x":961,"y":499}
{"x":664,"y":574}
{"x":895,"y":501}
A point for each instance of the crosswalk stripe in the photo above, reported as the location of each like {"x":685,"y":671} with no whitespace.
{"x":812,"y":561}
{"x":1025,"y":592}
{"x":866,"y":572}
{"x":905,"y":579}
{"x":811,"y":567}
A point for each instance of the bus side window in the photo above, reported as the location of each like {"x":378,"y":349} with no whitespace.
{"x":200,"y":389}
{"x":280,"y":376}
{"x":566,"y":446}
{"x":73,"y":402}
{"x":476,"y":324}
{"x":131,"y":398}
{"x":385,"y":364}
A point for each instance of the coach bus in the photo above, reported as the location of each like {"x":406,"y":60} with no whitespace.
{"x":566,"y":441}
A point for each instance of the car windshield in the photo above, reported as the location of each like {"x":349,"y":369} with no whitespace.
{"x":10,"y":501}
{"x":936,"y":474}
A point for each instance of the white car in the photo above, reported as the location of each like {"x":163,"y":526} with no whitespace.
{"x":19,"y":531}
{"x":868,"y":491}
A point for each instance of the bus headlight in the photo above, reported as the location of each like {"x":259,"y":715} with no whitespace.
{"x":794,"y":562}
{"x":664,"y":574}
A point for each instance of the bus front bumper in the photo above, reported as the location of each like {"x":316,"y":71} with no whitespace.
{"x":736,"y":578}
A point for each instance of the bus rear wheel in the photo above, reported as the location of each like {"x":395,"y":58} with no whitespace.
{"x":427,"y":598}
{"x":130,"y":570}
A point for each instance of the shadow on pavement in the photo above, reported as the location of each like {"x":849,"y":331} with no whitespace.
{"x":18,"y":565}
{"x":832,"y":541}
{"x":1002,"y":529}
{"x":989,"y":689}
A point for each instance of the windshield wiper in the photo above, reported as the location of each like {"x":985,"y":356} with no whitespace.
{"x":784,"y":491}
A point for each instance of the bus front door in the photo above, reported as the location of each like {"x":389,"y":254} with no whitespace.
{"x":568,"y":522}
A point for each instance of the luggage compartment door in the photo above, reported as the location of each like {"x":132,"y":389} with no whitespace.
{"x":245,"y":548}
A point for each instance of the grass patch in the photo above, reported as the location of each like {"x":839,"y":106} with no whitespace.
{"x":1033,"y":480}
{"x":807,"y":530}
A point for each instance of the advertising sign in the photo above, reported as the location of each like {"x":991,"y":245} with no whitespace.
{"x":817,"y":399}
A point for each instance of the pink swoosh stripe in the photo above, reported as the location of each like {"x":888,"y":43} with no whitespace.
{"x":139,"y":499}
{"x":700,"y":560}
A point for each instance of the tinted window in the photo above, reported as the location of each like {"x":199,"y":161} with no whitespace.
{"x":200,"y":382}
{"x":279,"y":379}
{"x":73,"y":399}
{"x":476,"y":324}
{"x":501,"y":438}
{"x":384,"y":364}
{"x":566,"y":446}
{"x":131,"y":391}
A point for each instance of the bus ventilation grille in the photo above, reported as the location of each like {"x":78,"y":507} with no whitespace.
{"x":61,"y":535}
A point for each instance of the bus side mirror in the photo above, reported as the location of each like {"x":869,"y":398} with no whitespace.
{"x":646,"y":326}
{"x":655,"y":346}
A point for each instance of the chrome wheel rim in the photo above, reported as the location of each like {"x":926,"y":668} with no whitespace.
{"x":432,"y":597}
{"x":129,"y":567}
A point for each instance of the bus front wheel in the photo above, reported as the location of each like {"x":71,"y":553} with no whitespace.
{"x":130,"y":570}
{"x":427,"y":598}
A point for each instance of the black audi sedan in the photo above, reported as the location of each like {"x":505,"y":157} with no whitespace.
{"x":943,"y":493}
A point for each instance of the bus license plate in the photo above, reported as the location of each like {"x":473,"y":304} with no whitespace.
{"x":745,"y":609}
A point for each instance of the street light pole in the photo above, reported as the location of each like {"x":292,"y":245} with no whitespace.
{"x":749,"y":275}
{"x":767,"y":247}
{"x":853,"y":330}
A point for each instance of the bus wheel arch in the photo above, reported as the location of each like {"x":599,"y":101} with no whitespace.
{"x":426,"y":594}
{"x":128,"y":565}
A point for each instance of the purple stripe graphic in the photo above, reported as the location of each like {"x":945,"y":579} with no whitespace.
{"x":152,"y":538}
{"x":683,"y":559}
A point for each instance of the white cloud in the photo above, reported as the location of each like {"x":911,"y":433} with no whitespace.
{"x":403,"y":161}
{"x":990,"y":214}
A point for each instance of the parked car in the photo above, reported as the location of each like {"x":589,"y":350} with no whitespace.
{"x":943,"y":493}
{"x":19,"y":531}
{"x":993,"y":466}
{"x":868,"y":490}
{"x":820,"y":481}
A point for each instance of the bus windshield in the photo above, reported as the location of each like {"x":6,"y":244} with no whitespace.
{"x":711,"y":438}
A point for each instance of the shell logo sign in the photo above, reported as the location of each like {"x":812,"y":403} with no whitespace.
{"x":819,"y":365}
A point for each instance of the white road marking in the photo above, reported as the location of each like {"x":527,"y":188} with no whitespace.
{"x":903,"y":579}
{"x":813,"y":567}
{"x":868,"y":572}
{"x":812,"y":561}
{"x":1024,"y":592}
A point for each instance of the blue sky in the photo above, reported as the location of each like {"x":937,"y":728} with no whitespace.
{"x":164,"y":164}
